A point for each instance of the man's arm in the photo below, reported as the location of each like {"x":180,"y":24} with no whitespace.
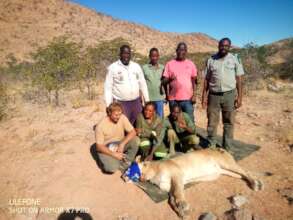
{"x":194,"y":83}
{"x":102,"y":148}
{"x":160,"y":131}
{"x":205,"y":87}
{"x":108,"y":88}
{"x":194,"y":86}
{"x":238,"y":101}
{"x":186,"y":123}
{"x":126,"y":139}
{"x":141,"y":130}
{"x":204,"y":93}
{"x":142,"y":85}
{"x":239,"y":74}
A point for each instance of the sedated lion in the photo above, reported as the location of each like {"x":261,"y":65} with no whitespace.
{"x":202,"y":165}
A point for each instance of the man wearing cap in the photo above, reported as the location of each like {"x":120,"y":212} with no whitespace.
{"x":222,"y":91}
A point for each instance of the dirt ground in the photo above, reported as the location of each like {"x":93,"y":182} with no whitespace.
{"x":46,"y":158}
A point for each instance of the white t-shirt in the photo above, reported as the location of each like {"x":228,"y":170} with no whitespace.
{"x":124,"y":83}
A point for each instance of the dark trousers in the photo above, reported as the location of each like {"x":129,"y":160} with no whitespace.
{"x":221,"y":102}
{"x":131,"y":109}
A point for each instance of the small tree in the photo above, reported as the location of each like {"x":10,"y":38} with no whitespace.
{"x":95,"y":60}
{"x":87,"y":70}
{"x":54,"y":66}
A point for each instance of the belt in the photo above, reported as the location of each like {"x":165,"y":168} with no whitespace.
{"x":221,"y":93}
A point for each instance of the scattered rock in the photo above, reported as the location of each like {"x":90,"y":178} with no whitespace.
{"x":261,"y":139}
{"x":255,"y":123}
{"x":252,"y":115}
{"x":237,"y":201}
{"x":207,"y":216}
{"x":274,"y":88}
{"x":287,"y":111}
{"x":240,"y":214}
{"x":287,"y":193}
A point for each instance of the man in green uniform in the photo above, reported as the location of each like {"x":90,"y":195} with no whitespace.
{"x":180,"y":130}
{"x":152,"y":74}
{"x":149,"y":130}
{"x":223,"y":76}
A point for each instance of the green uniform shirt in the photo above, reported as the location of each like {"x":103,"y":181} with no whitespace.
{"x":156,"y":125}
{"x":221,"y":72}
{"x":152,"y":75}
{"x":169,"y":124}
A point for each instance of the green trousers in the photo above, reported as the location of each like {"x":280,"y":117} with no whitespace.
{"x":221,"y":102}
{"x":145,"y":147}
{"x":111,"y":164}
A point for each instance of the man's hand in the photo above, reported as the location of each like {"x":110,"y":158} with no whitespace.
{"x":120,"y":148}
{"x":173,"y":77}
{"x":182,"y":124}
{"x":138,"y":131}
{"x":149,"y":157}
{"x":193,"y":99}
{"x":238,"y":102}
{"x":118,"y":155}
{"x":204,"y":103}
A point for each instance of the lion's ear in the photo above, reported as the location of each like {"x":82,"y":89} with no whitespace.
{"x":138,"y":159}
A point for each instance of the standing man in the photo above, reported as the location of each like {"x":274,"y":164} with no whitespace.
{"x":179,"y":80}
{"x":223,"y":76}
{"x":123,"y":84}
{"x":153,"y":73}
{"x":115,"y":149}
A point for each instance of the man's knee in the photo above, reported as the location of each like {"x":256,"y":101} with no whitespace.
{"x":228,"y":117}
{"x":194,"y":139}
{"x":108,"y":163}
{"x":134,"y":142}
{"x":171,"y":134}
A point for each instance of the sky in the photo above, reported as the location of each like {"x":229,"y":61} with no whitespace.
{"x":243,"y":21}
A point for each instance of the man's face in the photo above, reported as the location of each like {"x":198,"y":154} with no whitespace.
{"x":154,"y":57}
{"x":224,"y":47}
{"x":115,"y":116}
{"x":181,"y":52}
{"x":175,"y":113}
{"x":149,"y":112}
{"x":125,"y":56}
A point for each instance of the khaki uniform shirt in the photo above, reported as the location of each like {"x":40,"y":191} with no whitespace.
{"x":221,"y":72}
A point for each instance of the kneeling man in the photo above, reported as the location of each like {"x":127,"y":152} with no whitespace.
{"x":149,"y":129}
{"x":180,"y":130}
{"x":115,"y":149}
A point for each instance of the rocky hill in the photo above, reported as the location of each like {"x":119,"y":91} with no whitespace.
{"x":27,"y":24}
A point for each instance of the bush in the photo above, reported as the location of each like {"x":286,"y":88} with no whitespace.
{"x":3,"y":101}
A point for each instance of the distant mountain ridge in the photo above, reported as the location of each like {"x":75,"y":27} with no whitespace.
{"x":28,"y":24}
